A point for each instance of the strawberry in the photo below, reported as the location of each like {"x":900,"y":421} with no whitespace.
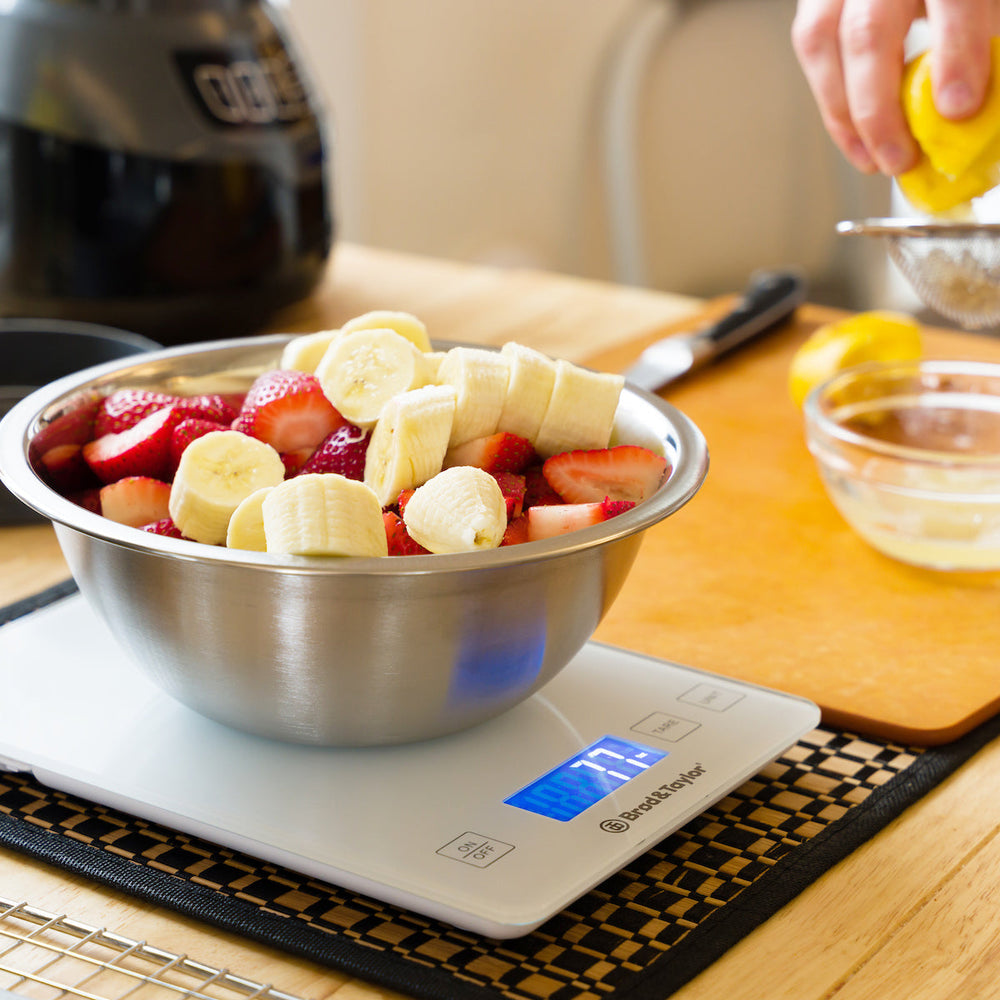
{"x":165,"y":526}
{"x":500,"y":452}
{"x":549,"y":520}
{"x":288,"y":410}
{"x":65,"y":470}
{"x":184,"y":433}
{"x":295,"y":460}
{"x":625,"y":472}
{"x":400,"y":542}
{"x":402,"y":500}
{"x":125,"y":408}
{"x":342,"y":451}
{"x":88,"y":499}
{"x":513,"y":488}
{"x":142,"y":450}
{"x":612,"y":508}
{"x":517,"y":531}
{"x":537,"y":490}
{"x":135,"y":500}
{"x":75,"y":426}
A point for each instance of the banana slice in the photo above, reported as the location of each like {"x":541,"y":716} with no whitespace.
{"x":408,"y":444}
{"x":216,"y":473}
{"x":361,"y":371}
{"x":246,"y":526}
{"x":532,"y":376}
{"x":459,"y":510}
{"x":304,"y":353}
{"x":323,"y":514}
{"x":479,"y":378}
{"x":403,"y":323}
{"x":581,"y":410}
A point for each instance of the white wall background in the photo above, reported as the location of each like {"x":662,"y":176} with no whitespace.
{"x":669,"y":146}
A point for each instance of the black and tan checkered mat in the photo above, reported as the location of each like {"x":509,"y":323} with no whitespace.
{"x":640,"y":934}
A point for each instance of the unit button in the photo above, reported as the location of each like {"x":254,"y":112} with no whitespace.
{"x":475,"y":849}
{"x":670,"y":728}
{"x":711,"y":697}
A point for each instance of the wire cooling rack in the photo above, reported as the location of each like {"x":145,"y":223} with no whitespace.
{"x":45,"y":956}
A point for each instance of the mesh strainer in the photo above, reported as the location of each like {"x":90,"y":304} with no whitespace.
{"x":954,"y":267}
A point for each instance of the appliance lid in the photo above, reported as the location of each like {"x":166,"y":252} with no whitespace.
{"x":173,"y":80}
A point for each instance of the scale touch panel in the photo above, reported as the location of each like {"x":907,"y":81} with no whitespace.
{"x":493,"y":830}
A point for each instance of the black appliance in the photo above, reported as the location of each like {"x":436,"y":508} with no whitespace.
{"x":162,"y":166}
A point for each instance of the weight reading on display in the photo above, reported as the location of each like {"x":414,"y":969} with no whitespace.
{"x":585,"y":778}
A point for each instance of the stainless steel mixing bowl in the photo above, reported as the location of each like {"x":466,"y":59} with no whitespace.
{"x":340,"y":651}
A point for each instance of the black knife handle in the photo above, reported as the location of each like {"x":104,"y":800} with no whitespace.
{"x":770,"y":298}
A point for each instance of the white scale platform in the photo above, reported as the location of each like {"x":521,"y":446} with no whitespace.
{"x":493,"y":830}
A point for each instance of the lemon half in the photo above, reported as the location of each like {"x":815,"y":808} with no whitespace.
{"x":879,"y":335}
{"x":960,"y":160}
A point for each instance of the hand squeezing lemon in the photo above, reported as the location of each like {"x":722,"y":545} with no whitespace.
{"x":960,"y":160}
{"x":879,"y":335}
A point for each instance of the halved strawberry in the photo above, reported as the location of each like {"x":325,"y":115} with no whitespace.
{"x":75,"y":426}
{"x":402,"y":500}
{"x":549,"y":520}
{"x":295,"y":460}
{"x":625,"y":472}
{"x":186,"y":431}
{"x":513,"y":488}
{"x":398,"y":538}
{"x":517,"y":531}
{"x":537,"y":490}
{"x":88,"y":499}
{"x":342,"y":451}
{"x":142,"y":450}
{"x":500,"y":452}
{"x":64,"y":469}
{"x":165,"y":526}
{"x":288,"y":410}
{"x":136,"y":500}
{"x":124,"y":408}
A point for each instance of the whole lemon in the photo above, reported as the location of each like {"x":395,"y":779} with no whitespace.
{"x":959,"y":160}
{"x":878,"y":335}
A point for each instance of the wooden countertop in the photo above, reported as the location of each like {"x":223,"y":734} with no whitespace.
{"x":909,"y":915}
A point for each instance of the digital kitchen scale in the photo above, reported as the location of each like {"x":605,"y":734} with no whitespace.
{"x":493,"y":830}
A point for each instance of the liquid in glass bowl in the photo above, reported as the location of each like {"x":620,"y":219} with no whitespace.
{"x":910,"y":455}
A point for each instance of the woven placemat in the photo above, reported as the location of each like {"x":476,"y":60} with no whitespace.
{"x":641,"y":934}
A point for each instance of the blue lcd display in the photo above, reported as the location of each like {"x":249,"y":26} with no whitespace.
{"x":585,"y":778}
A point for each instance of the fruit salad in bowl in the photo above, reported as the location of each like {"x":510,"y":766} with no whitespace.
{"x":353,"y":537}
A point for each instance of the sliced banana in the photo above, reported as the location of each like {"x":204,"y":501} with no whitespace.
{"x":361,"y":371}
{"x":323,"y":514}
{"x":408,"y":444}
{"x":532,"y":376}
{"x":216,"y":473}
{"x":304,"y":353}
{"x":581,"y":410}
{"x":403,"y":323}
{"x":246,"y":526}
{"x":459,"y":510}
{"x":479,"y":378}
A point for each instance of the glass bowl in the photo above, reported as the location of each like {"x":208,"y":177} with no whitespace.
{"x":909,"y":453}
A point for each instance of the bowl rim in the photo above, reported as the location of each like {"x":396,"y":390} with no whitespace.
{"x":19,"y":424}
{"x":820,"y":425}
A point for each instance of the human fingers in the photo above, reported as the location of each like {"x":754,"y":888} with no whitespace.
{"x":960,"y":53}
{"x":816,"y":43}
{"x":872,"y":40}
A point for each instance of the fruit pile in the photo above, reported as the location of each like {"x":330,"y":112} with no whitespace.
{"x":363,"y":441}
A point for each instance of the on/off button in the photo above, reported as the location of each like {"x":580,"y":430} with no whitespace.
{"x":475,"y":849}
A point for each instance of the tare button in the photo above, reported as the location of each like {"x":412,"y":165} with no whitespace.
{"x":475,"y":849}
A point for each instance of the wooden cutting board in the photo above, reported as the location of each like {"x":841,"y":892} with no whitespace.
{"x":759,"y":578}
